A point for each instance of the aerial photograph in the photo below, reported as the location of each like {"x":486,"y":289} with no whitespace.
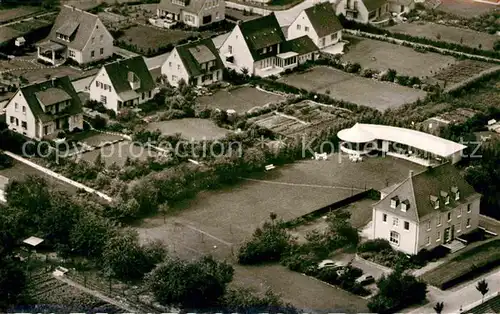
{"x":250,"y":156}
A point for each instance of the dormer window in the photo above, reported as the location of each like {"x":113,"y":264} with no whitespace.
{"x":394,"y":202}
{"x":434,"y":201}
{"x":456,"y":192}
{"x":134,"y":81}
{"x":405,"y":205}
{"x":446,"y":197}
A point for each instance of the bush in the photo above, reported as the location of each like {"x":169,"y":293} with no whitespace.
{"x":5,"y":161}
{"x":99,"y":122}
{"x":376,"y":245}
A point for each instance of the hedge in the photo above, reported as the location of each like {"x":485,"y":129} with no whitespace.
{"x":466,"y":266}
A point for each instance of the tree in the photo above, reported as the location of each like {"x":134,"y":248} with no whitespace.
{"x":482,"y":287}
{"x":12,"y":282}
{"x":90,"y":234}
{"x":439,"y":307}
{"x":190,"y":285}
{"x":244,"y":300}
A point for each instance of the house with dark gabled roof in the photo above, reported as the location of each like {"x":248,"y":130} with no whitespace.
{"x":256,"y":46}
{"x":426,"y":210}
{"x":196,"y":62}
{"x":363,"y":11}
{"x":77,"y":35}
{"x":194,"y":13}
{"x":45,"y":109}
{"x":319,"y":23}
{"x":123,"y":83}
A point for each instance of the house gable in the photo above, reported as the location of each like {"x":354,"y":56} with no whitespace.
{"x":174,"y":68}
{"x":298,"y":28}
{"x":239,"y":50}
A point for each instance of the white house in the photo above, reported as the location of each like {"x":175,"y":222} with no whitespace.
{"x":197,"y":62}
{"x":319,"y":23}
{"x":362,"y":11}
{"x":258,"y":46}
{"x":194,"y":13}
{"x":44,"y":109}
{"x":426,"y":210}
{"x":124,"y":83}
{"x":77,"y":35}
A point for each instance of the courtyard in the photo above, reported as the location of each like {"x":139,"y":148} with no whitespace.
{"x":240,"y":99}
{"x":381,"y":56}
{"x":191,"y":129}
{"x":351,"y":88}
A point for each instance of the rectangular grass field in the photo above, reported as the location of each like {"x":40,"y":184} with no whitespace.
{"x":190,"y":128}
{"x":150,"y":37}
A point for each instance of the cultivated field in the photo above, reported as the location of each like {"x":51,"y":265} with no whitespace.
{"x":150,"y":37}
{"x":7,"y":15}
{"x":462,"y":70}
{"x":12,"y":31}
{"x":379,"y":55}
{"x":240,"y":99}
{"x":465,"y":8}
{"x":355,"y":89}
{"x":190,"y":128}
{"x":446,"y":33}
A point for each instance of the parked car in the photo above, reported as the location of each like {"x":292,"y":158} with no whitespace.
{"x":365,"y":279}
{"x":329,"y":263}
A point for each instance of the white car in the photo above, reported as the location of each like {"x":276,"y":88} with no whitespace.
{"x":329,"y":263}
{"x":365,"y":279}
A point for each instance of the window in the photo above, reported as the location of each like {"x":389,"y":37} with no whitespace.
{"x":395,"y":222}
{"x":459,"y":227}
{"x":439,"y":219}
{"x":12,"y":120}
{"x":438,"y":236}
{"x":394,"y":237}
{"x":92,"y":54}
{"x":143,"y":95}
{"x":449,"y":216}
{"x":230,"y":49}
{"x":333,"y":37}
{"x":384,"y":216}
{"x":17,"y":122}
{"x":71,"y":53}
{"x":447,"y":200}
{"x":178,"y":67}
{"x":149,"y":94}
{"x":306,"y":28}
{"x":97,"y":83}
{"x":393,"y":203}
{"x":468,"y":223}
{"x":24,"y":125}
{"x":459,"y":212}
{"x":407,"y":225}
{"x":16,"y":105}
{"x":93,"y":40}
{"x":103,"y":99}
{"x":270,"y":48}
{"x":24,"y":109}
{"x":217,"y":15}
{"x":469,"y":208}
{"x":298,"y":27}
{"x":102,"y":51}
{"x":174,"y":78}
{"x":457,"y":196}
{"x":101,"y":38}
{"x":427,"y":240}
{"x":436,"y":204}
{"x":428,"y":225}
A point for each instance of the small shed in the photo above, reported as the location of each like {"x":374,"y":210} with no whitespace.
{"x":33,"y":242}
{"x":20,"y":42}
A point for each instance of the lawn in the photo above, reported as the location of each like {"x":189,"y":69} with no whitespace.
{"x":465,"y":8}
{"x":240,"y":99}
{"x":119,"y":152}
{"x":465,"y":266}
{"x":146,"y":37}
{"x":190,"y":128}
{"x":94,"y":138}
{"x":41,"y":74}
{"x":7,"y":33}
{"x":446,"y":33}
{"x":380,"y":55}
{"x":7,"y":15}
{"x":354,"y":89}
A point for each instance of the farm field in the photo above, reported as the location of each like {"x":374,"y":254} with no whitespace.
{"x":465,"y":8}
{"x":20,"y":171}
{"x":462,"y":70}
{"x":190,"y":128}
{"x":379,"y":55}
{"x":355,"y":89}
{"x":241,"y":99}
{"x":447,"y":33}
{"x":151,"y":38}
{"x":7,"y":15}
{"x":118,"y":153}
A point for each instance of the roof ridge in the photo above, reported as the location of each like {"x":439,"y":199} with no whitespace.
{"x":414,"y":197}
{"x":73,"y":8}
{"x":395,"y":188}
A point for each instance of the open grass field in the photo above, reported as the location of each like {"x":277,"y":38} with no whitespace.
{"x":7,"y":33}
{"x":447,"y":33}
{"x":118,"y":153}
{"x":40,"y":74}
{"x":352,"y":88}
{"x":150,"y":37}
{"x":7,"y":15}
{"x":462,"y":70}
{"x":465,"y":8}
{"x":190,"y":128}
{"x":463,"y":265}
{"x":240,"y":99}
{"x":380,"y":55}
{"x":20,"y":171}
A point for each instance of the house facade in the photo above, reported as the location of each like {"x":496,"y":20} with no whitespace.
{"x":194,"y":13}
{"x":44,"y":109}
{"x":77,"y":35}
{"x":257,"y":46}
{"x":362,"y":11}
{"x":319,"y":23}
{"x":124,"y":83}
{"x":426,"y":210}
{"x":401,"y":6}
{"x":196,"y":62}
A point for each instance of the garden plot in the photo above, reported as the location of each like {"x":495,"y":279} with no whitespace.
{"x":118,"y":153}
{"x":447,"y":33}
{"x":41,"y":73}
{"x":462,"y":70}
{"x":190,"y":129}
{"x":380,"y":55}
{"x":241,"y":99}
{"x":7,"y":15}
{"x":351,"y":88}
